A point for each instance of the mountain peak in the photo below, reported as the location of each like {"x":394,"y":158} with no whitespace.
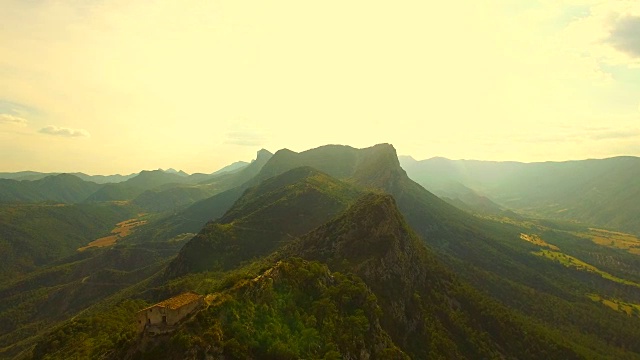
{"x":148,"y":179}
{"x":375,"y":167}
{"x":174,"y":171}
{"x":263,"y":154}
{"x":262,"y":157}
{"x":387,"y":146}
{"x":232,"y":167}
{"x":378,"y":167}
{"x":407,"y":159}
{"x":63,"y":177}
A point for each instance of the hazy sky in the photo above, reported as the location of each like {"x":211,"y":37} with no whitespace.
{"x":119,"y":86}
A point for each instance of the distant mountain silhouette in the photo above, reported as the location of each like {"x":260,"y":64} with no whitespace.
{"x":65,"y":188}
{"x":602,"y":192}
{"x":130,"y":189}
{"x":34,"y":175}
{"x":233,"y":167}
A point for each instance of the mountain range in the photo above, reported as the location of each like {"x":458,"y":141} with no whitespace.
{"x":159,"y":190}
{"x":34,"y":175}
{"x":336,"y":252}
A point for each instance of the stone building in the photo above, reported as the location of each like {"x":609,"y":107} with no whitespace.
{"x":163,"y":316}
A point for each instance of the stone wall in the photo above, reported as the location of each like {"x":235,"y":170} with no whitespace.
{"x":174,"y":316}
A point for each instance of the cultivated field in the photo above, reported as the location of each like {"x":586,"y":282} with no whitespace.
{"x":536,"y":240}
{"x":614,"y":239}
{"x":554,"y":253}
{"x":573,"y":262}
{"x":122,"y":230}
{"x":617,"y":305}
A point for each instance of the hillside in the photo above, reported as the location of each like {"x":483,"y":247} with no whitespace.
{"x":601,"y":192}
{"x":426,"y":310}
{"x":295,"y":309}
{"x":33,"y":235}
{"x":172,"y":199}
{"x":226,"y":188}
{"x":263,"y":219}
{"x":130,"y":189}
{"x":70,"y":287}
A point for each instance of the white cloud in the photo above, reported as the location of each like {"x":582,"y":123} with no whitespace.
{"x":12,"y":119}
{"x":66,"y":132}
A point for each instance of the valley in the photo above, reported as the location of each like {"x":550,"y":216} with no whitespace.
{"x":600,"y":193}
